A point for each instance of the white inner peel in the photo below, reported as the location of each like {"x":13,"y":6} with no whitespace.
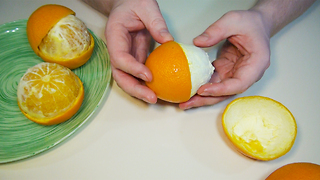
{"x":260,"y":127}
{"x":67,"y":39}
{"x":40,"y":80}
{"x":200,"y":66}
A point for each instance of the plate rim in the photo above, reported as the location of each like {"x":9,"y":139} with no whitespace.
{"x":106,"y":92}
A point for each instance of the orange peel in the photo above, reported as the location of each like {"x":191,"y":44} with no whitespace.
{"x":296,"y":171}
{"x":178,"y":70}
{"x":259,"y":127}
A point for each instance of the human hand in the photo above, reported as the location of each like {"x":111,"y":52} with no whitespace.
{"x":128,"y":32}
{"x":242,"y":60}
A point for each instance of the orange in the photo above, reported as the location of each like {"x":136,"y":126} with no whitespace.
{"x":259,"y":127}
{"x":178,"y":70}
{"x":49,"y":93}
{"x":296,"y":171}
{"x":56,"y":35}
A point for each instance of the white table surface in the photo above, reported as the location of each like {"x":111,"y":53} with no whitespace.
{"x":129,"y":139}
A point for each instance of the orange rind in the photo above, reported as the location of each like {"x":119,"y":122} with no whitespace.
{"x":178,"y":70}
{"x":296,"y":171}
{"x":259,"y":127}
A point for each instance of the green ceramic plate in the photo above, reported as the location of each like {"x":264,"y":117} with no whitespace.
{"x":19,"y":137}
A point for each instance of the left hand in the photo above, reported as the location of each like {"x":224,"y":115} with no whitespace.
{"x":243,"y":58}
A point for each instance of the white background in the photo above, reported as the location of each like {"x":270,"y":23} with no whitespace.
{"x":129,"y":139}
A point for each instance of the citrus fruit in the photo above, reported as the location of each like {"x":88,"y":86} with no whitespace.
{"x":178,"y":70}
{"x":57,"y":35}
{"x":49,"y":93}
{"x":260,"y":127}
{"x":296,"y":171}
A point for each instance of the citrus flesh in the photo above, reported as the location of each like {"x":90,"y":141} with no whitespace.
{"x":49,"y":93}
{"x":296,"y":171}
{"x":42,"y":20}
{"x":178,"y":70}
{"x":64,"y":38}
{"x":260,"y":127}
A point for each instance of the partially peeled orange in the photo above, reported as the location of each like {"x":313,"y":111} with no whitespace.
{"x":178,"y":70}
{"x":57,"y":35}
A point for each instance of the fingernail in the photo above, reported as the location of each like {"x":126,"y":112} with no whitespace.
{"x":143,"y":77}
{"x":146,"y":100}
{"x":203,"y":37}
{"x":165,"y":34}
{"x":205,"y":92}
{"x":186,"y":108}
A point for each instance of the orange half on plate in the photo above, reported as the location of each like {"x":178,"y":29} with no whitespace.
{"x":57,"y":35}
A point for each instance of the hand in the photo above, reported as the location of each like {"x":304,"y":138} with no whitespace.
{"x":242,"y":60}
{"x":128,"y":32}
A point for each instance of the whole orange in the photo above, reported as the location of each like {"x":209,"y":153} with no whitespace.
{"x":49,"y":93}
{"x":178,"y":70}
{"x":57,"y":35}
{"x":296,"y":171}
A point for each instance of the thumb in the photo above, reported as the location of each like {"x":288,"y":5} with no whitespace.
{"x":216,"y":32}
{"x":155,"y":23}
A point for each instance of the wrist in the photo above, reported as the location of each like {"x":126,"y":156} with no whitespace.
{"x":277,"y":14}
{"x":103,"y":6}
{"x":265,"y":18}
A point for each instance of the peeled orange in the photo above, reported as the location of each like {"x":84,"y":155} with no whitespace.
{"x":49,"y":93}
{"x":178,"y":70}
{"x":296,"y":171}
{"x":260,"y":127}
{"x":57,"y":35}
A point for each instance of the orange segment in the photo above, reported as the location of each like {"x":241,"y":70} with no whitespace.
{"x":49,"y":93}
{"x":171,"y":75}
{"x":42,"y":20}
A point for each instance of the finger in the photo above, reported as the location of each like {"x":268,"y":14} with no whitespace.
{"x":215,"y":78}
{"x":218,"y":31}
{"x":127,"y":63}
{"x":226,"y":87}
{"x":119,"y":46}
{"x":198,"y":101}
{"x":154,"y":22}
{"x":133,"y":87}
{"x":241,"y":80}
{"x":141,"y":45}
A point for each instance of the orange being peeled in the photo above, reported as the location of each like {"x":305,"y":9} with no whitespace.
{"x":260,"y":127}
{"x":178,"y":70}
{"x":296,"y":171}
{"x":49,"y":93}
{"x":57,"y":35}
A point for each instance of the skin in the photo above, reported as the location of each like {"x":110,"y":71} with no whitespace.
{"x":242,"y":61}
